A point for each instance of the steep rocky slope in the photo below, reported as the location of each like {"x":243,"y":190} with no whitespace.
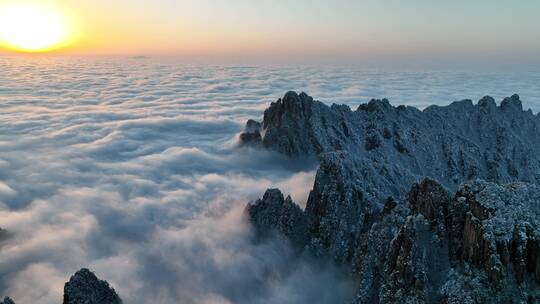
{"x":451,"y":238}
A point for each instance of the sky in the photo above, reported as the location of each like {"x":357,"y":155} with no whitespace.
{"x":130,"y":166}
{"x":361,"y":28}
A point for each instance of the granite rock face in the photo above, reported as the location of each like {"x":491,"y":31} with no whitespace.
{"x":497,"y":228}
{"x":85,"y":288}
{"x":400,"y":198}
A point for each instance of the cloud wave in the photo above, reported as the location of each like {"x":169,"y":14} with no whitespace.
{"x":129,"y":167}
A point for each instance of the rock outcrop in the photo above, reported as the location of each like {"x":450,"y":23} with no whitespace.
{"x":407,"y":238}
{"x":85,"y":288}
{"x":7,"y":300}
{"x":251,"y":132}
{"x":275,"y":214}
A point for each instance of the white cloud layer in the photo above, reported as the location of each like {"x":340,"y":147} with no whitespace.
{"x":129,"y":167}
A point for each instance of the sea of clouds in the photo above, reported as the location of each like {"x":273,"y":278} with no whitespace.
{"x":130,"y":167}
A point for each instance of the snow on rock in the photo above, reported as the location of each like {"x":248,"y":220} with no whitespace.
{"x":497,"y":228}
{"x":381,"y":203}
{"x":451,"y":144}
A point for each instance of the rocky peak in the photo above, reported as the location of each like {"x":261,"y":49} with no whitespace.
{"x":375,"y":105}
{"x":287,"y":125}
{"x":251,"y":134}
{"x":7,"y":300}
{"x":293,"y":101}
{"x":451,"y":144}
{"x":487,"y":101}
{"x":85,"y":288}
{"x":401,"y":234}
{"x":512,"y":103}
{"x":291,"y":104}
{"x":275,"y":215}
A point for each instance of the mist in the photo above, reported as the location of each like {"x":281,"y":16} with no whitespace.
{"x":131,"y":168}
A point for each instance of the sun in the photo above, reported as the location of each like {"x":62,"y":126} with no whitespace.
{"x":33,"y":28}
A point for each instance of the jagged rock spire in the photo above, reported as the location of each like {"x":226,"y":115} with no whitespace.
{"x":85,"y":288}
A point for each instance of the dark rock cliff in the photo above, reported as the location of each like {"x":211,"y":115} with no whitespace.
{"x":273,"y":213}
{"x":85,"y":288}
{"x":450,"y":238}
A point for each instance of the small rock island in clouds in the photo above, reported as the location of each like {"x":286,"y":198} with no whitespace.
{"x":268,"y":152}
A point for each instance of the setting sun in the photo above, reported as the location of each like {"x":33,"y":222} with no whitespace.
{"x":34,"y":28}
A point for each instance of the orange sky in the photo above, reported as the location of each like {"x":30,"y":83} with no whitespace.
{"x":301,"y":27}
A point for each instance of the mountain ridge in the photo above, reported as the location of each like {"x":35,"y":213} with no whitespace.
{"x":396,"y":184}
